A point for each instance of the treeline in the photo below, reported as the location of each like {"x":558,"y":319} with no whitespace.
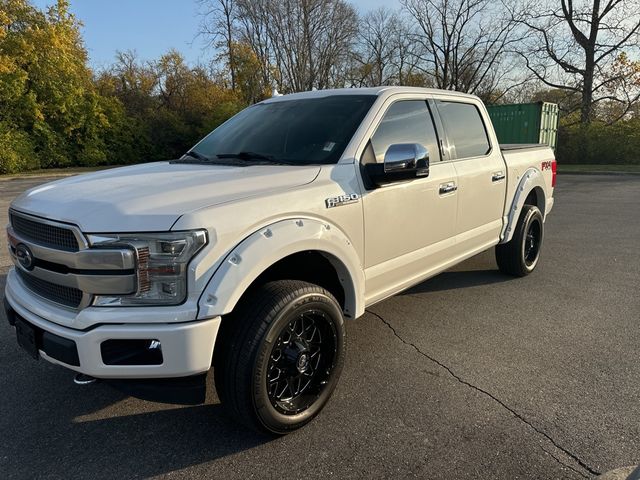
{"x":600,"y":143}
{"x":56,"y":112}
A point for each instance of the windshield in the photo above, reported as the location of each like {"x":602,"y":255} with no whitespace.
{"x":298,"y":132}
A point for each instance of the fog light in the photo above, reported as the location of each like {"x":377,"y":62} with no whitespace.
{"x":131,"y":352}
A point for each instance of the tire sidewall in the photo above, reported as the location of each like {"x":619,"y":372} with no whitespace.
{"x":532,"y":214}
{"x":269,"y":417}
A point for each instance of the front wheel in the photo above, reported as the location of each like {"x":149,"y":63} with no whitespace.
{"x":520,"y":255}
{"x":279,"y":357}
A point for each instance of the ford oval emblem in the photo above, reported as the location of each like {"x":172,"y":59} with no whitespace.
{"x":25,"y":257}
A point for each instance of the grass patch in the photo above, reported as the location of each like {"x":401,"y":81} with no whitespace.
{"x":604,"y":168}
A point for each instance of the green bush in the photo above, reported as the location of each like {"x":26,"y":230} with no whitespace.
{"x":16,"y":151}
{"x":599,"y":143}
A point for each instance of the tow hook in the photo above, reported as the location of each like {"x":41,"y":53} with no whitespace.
{"x":82,"y":379}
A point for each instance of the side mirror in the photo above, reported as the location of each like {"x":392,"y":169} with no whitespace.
{"x":402,"y":161}
{"x":406,"y":157}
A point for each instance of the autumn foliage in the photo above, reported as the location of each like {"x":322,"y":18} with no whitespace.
{"x":55,"y":112}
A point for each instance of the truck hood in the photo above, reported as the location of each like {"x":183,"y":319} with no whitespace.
{"x":151,"y":197}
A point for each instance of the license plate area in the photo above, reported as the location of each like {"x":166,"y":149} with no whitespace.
{"x":28,"y":337}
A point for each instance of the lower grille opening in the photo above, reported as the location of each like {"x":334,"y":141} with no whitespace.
{"x":70,"y":297}
{"x":131,"y":352}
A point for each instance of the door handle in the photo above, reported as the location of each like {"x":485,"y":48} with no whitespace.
{"x":448,"y":188}
{"x":497,"y":176}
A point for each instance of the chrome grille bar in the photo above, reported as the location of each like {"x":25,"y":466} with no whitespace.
{"x":94,"y":284}
{"x":89,"y":259}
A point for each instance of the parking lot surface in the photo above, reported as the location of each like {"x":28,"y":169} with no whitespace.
{"x":471,"y":374}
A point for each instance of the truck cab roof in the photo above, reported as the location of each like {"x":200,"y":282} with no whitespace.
{"x":376,"y":91}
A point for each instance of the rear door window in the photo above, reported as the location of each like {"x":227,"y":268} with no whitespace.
{"x":465,"y":128}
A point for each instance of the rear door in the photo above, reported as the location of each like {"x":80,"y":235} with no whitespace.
{"x":481,"y":173}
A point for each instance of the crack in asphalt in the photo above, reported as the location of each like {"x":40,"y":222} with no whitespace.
{"x":564,"y":464}
{"x":573,"y":456}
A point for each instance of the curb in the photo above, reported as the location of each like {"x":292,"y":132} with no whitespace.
{"x":8,"y":178}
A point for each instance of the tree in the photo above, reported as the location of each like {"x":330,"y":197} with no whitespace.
{"x":464,"y":43}
{"x":566,"y":100}
{"x":253,"y":23}
{"x":250,"y":84}
{"x":168,"y":105}
{"x":309,"y":40}
{"x":577,"y":47}
{"x":299,"y":44}
{"x":131,"y":81}
{"x":218,"y":26}
{"x":382,"y":49}
{"x":50,"y":106}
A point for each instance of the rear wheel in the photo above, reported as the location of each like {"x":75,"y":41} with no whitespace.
{"x":279,"y":357}
{"x":520,"y":255}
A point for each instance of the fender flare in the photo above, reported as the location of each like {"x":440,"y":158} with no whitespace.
{"x":531,"y":180}
{"x":262,"y":249}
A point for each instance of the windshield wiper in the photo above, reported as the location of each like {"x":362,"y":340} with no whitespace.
{"x":229,"y":157}
{"x":248,"y":156}
{"x":197,"y":156}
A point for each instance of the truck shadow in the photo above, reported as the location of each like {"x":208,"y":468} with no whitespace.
{"x":473,"y":272}
{"x":452,"y":280}
{"x":50,"y":426}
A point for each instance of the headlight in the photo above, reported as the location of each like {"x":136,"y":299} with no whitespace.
{"x":162,"y":260}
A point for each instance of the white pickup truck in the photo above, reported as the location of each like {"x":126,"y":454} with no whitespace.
{"x":249,"y":252}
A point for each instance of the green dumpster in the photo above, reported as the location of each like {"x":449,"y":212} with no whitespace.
{"x":525,"y":122}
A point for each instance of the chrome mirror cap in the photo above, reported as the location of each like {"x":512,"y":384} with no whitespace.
{"x":405,"y":156}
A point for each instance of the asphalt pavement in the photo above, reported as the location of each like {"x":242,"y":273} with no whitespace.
{"x":471,"y":374}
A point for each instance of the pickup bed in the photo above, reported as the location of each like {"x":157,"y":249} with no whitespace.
{"x":250,"y":252}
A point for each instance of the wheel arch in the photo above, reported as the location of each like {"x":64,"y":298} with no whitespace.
{"x":530,"y":191}
{"x":308,"y":249}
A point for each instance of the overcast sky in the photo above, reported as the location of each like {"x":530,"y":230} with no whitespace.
{"x":150,"y":27}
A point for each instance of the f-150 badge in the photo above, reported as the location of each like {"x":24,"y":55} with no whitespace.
{"x":342,"y":200}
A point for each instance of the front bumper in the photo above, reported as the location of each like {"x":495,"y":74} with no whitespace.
{"x":187,"y":347}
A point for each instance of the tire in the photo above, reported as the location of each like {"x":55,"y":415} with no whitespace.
{"x":520,"y":255}
{"x":279,"y":356}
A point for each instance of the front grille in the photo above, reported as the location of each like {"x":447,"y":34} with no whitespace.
{"x":71,"y":297}
{"x":44,"y":234}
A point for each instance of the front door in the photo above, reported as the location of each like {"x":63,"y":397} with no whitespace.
{"x":409,"y":225}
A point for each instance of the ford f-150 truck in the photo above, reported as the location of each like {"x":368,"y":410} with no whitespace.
{"x":247,"y":254}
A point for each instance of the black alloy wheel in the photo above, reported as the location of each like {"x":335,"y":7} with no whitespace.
{"x":520,"y":255}
{"x":532,"y":242}
{"x":279,"y":355}
{"x":301,"y":362}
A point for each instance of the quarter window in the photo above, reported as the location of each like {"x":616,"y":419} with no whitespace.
{"x":407,"y":121}
{"x":465,"y":128}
